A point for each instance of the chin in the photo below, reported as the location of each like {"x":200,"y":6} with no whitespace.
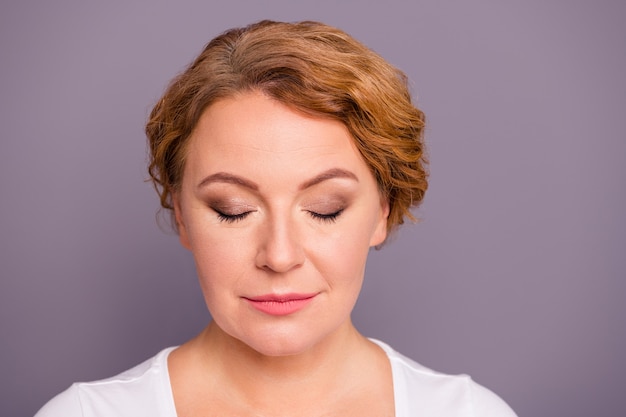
{"x":276,"y":344}
{"x":287,"y":339}
{"x":281,"y":336}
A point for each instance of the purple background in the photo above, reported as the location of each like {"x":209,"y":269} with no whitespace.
{"x":516,"y":274}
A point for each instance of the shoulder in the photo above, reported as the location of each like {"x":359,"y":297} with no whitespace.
{"x":66,"y":404}
{"x":140,"y":391}
{"x":419,"y":390}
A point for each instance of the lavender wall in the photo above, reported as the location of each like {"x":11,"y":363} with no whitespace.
{"x":516,"y":274}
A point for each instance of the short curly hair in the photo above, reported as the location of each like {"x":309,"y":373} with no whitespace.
{"x":313,"y":68}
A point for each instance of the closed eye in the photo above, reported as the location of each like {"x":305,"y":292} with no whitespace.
{"x":231,"y":218}
{"x":326,"y":217}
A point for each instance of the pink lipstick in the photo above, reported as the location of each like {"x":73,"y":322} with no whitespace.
{"x":280,"y":305}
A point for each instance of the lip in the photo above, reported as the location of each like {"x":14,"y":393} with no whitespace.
{"x":280,"y":304}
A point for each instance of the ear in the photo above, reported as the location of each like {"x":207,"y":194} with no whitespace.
{"x":183,"y":236}
{"x":380,"y":230}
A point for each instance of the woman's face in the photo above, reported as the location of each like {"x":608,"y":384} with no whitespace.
{"x":279,"y":211}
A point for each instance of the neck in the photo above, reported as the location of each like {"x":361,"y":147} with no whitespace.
{"x":257,"y":377}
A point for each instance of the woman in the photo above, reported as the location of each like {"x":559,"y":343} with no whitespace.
{"x":284,"y":153}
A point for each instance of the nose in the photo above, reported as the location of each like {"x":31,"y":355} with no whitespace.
{"x":279,"y":247}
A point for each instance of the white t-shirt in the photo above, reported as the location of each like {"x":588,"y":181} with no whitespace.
{"x":145,"y":391}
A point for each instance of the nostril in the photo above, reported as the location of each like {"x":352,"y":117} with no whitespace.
{"x":280,"y":251}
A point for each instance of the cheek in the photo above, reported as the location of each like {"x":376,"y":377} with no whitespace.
{"x":341,"y":255}
{"x":353,"y":248}
{"x":340,"y":263}
{"x":220,"y":262}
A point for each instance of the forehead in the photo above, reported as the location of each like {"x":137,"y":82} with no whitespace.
{"x":252,"y":128}
{"x":253,"y":115}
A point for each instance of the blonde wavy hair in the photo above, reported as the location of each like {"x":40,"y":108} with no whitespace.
{"x":316,"y":69}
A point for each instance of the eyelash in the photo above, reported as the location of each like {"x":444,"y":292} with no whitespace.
{"x":233,"y":218}
{"x":326,"y":217}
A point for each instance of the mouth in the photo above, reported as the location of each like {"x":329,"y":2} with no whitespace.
{"x":280,"y":304}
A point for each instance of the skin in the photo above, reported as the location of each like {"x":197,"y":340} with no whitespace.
{"x":276,"y":202}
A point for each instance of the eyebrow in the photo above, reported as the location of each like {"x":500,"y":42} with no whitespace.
{"x":229,"y":179}
{"x":225,"y":177}
{"x":328,"y":175}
